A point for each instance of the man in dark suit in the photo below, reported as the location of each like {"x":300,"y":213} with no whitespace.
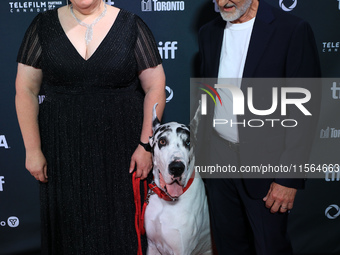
{"x":251,"y":39}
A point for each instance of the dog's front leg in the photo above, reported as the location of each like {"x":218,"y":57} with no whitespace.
{"x":152,"y":249}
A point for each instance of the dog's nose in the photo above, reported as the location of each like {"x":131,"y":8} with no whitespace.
{"x":176,"y":168}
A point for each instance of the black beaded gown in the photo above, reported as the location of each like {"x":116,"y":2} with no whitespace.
{"x":90,"y":124}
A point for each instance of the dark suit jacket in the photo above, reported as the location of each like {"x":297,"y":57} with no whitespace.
{"x":281,"y":45}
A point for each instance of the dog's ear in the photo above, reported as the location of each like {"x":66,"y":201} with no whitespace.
{"x":151,"y":139}
{"x":155,"y":120}
{"x":194,"y":122}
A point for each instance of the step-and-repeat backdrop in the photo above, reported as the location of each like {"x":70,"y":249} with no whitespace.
{"x":315,"y":221}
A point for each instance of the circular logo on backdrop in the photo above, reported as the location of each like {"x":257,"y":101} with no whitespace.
{"x":216,"y":6}
{"x":285,"y":8}
{"x":332,"y":212}
{"x":13,"y":222}
{"x":110,"y":2}
{"x":170,"y":94}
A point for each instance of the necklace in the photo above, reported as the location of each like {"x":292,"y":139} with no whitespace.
{"x":89,"y":27}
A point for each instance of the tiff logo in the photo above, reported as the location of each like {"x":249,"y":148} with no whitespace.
{"x":335,"y":90}
{"x":2,"y":181}
{"x":169,"y":47}
{"x":332,"y":175}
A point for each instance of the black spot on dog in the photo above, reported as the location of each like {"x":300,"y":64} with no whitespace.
{"x":183,"y":130}
{"x":185,"y":135}
{"x":161,"y":130}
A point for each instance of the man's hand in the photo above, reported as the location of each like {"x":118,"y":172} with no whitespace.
{"x":279,"y":198}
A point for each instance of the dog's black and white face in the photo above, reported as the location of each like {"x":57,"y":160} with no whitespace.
{"x":172,"y":156}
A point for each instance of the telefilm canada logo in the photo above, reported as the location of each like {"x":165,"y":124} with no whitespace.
{"x":287,"y":5}
{"x":331,"y":47}
{"x":33,"y":6}
{"x":162,"y":6}
{"x":238,"y":105}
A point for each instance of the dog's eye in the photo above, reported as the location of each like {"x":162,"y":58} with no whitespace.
{"x":162,"y":141}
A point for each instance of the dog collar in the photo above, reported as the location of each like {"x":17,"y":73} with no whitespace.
{"x":154,"y":189}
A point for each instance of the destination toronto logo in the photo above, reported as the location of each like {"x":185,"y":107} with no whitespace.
{"x":156,"y":5}
{"x":238,"y":105}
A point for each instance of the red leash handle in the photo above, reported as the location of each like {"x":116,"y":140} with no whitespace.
{"x":139,"y":215}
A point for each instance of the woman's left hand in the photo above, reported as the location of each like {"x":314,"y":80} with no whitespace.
{"x":141,"y":160}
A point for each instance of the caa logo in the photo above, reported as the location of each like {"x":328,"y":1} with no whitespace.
{"x":3,"y":142}
{"x":170,"y":94}
{"x":332,"y":212}
{"x":169,"y":48}
{"x":147,"y":6}
{"x":12,"y":222}
{"x":287,"y":9}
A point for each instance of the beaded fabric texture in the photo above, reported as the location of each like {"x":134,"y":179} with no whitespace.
{"x":90,"y":124}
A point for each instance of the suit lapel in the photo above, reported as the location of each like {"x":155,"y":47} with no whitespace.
{"x":216,"y":40}
{"x":262,"y":31}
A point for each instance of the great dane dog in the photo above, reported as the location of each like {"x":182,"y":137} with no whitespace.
{"x":176,"y":218}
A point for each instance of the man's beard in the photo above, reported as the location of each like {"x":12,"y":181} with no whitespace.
{"x":238,"y":12}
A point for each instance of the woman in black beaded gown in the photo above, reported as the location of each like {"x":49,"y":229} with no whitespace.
{"x":102,"y":74}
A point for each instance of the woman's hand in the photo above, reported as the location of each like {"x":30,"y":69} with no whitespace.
{"x":141,"y":160}
{"x":36,"y":164}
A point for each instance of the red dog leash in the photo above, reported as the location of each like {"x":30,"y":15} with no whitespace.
{"x":139,"y":215}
